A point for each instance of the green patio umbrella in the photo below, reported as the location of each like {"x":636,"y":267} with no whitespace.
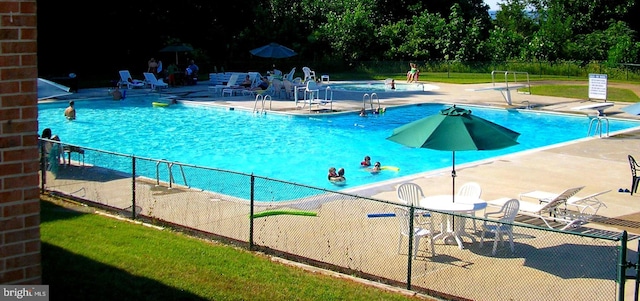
{"x":454,"y":129}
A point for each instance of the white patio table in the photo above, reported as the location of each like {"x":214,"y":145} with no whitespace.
{"x":455,"y":227}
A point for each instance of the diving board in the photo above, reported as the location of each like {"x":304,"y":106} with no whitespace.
{"x":600,"y":107}
{"x":505,"y":90}
{"x":509,"y":84}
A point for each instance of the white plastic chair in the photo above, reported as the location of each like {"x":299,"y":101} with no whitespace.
{"x":471,"y":190}
{"x":406,"y":229}
{"x":289,"y":76}
{"x":309,"y":74}
{"x":503,"y":225}
{"x":410,"y":194}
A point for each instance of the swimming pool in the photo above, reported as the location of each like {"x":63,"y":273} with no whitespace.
{"x":292,"y":148}
{"x":369,"y":87}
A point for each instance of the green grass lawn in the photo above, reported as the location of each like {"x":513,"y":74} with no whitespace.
{"x":572,"y":91}
{"x":86,"y":256}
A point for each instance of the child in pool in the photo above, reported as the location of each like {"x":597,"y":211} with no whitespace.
{"x":366,"y":162}
{"x":376,"y":168}
{"x":334,"y":176}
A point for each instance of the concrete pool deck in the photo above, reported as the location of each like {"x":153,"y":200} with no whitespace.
{"x":597,"y":163}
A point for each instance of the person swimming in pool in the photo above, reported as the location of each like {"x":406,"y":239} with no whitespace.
{"x":366,"y":162}
{"x":377,"y":167}
{"x":334,"y":176}
{"x":70,"y":111}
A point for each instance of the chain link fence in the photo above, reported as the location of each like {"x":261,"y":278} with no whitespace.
{"x":347,"y":233}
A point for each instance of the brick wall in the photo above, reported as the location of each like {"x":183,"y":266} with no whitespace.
{"x":19,"y":194}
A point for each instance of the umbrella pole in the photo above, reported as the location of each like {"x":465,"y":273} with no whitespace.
{"x":453,"y":176}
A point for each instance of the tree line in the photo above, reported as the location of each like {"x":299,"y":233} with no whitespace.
{"x":96,"y":38}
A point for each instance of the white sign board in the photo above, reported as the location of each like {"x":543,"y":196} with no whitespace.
{"x":597,"y":86}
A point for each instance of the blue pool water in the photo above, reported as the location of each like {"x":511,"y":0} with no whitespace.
{"x":295,"y":149}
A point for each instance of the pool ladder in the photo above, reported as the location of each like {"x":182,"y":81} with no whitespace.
{"x":170,"y":168}
{"x":596,"y":123}
{"x":261,"y":98}
{"x":370,"y":98}
{"x":528,"y":106}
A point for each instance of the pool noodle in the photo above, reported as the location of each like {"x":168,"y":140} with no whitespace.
{"x":383,"y":214}
{"x":280,"y":212}
{"x":391,"y":214}
{"x":390,"y":168}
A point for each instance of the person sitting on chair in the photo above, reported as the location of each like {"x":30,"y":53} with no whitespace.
{"x":247,"y":82}
{"x":412,"y":74}
{"x":192,"y":73}
{"x":263,"y":85}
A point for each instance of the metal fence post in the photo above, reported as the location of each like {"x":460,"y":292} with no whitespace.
{"x":622,"y":265}
{"x":409,"y":252}
{"x":251,"y":203}
{"x":43,"y":167}
{"x":133,"y":187}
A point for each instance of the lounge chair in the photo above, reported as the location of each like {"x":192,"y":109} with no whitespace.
{"x":128,"y":81}
{"x":151,"y":79}
{"x":549,"y":210}
{"x":586,"y":206}
{"x":230,"y":86}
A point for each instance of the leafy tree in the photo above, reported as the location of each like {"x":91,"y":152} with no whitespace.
{"x":417,"y":40}
{"x":462,"y":38}
{"x":622,"y":47}
{"x":349,"y":30}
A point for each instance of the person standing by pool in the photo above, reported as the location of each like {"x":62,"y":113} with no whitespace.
{"x":152,"y":66}
{"x":171,"y":74}
{"x":70,"y":111}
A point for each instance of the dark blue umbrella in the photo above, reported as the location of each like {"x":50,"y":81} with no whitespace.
{"x":273,"y":50}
